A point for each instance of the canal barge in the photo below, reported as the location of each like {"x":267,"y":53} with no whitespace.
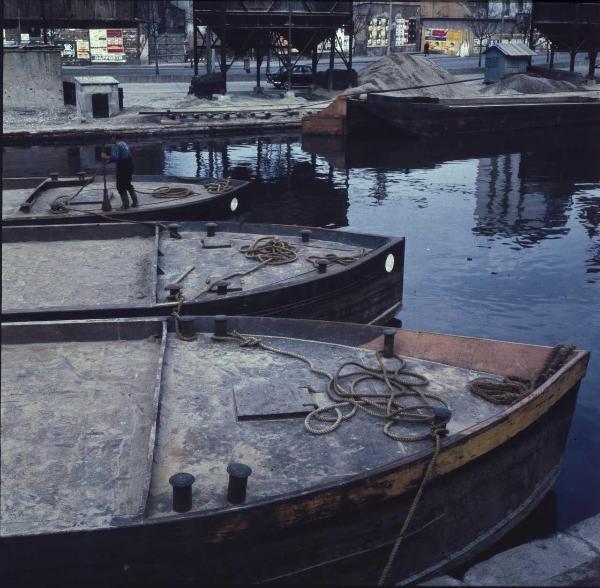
{"x":53,"y":272}
{"x":81,"y":199}
{"x":143,"y":452}
{"x":412,"y":116}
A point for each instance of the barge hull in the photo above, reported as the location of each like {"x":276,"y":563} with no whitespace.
{"x":488,"y":478}
{"x":413,"y":119}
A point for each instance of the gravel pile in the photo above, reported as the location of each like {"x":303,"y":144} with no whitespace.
{"x":402,"y":70}
{"x":524,"y":84}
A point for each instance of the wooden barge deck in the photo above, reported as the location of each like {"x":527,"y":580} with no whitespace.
{"x":393,"y":113}
{"x":29,"y":201}
{"x":124,"y":269}
{"x":97,"y":415}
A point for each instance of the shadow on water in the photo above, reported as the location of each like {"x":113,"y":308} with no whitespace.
{"x":503,"y":239}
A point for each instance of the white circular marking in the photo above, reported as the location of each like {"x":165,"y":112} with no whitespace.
{"x":389,"y":263}
{"x":233,"y":204}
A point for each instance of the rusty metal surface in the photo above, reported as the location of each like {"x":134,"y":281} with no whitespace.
{"x":77,"y":427}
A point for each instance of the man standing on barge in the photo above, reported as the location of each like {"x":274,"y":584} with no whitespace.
{"x":121,"y":155}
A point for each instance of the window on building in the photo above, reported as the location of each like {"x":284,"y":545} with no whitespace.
{"x":505,"y":7}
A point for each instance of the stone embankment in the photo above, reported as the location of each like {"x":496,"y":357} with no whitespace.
{"x":567,"y":558}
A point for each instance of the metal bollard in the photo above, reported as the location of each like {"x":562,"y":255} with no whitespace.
{"x":322,"y":266}
{"x":220,"y":325}
{"x":174,"y":291}
{"x":222,"y":288}
{"x":182,"y":491}
{"x":238,"y":480}
{"x":388,"y":342}
{"x":186,"y":326}
{"x":305,"y":235}
{"x":441,"y":416}
{"x":54,"y":176}
{"x":81,"y":176}
{"x":173,"y":231}
{"x":211,"y":229}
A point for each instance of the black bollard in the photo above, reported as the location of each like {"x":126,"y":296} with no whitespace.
{"x":238,"y":480}
{"x":388,"y":342}
{"x":305,"y":235}
{"x":211,"y":229}
{"x":186,"y":326}
{"x":322,"y":266}
{"x":441,"y":416}
{"x":54,"y":176}
{"x":174,"y":291}
{"x":182,"y":491}
{"x":173,"y":229}
{"x":220,"y":325}
{"x":81,"y":176}
{"x":222,"y":288}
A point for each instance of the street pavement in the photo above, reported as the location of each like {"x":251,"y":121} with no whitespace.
{"x":237,"y":72}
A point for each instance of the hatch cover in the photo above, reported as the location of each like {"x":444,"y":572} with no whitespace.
{"x":256,"y":403}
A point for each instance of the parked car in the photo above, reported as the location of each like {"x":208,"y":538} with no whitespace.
{"x":301,"y":76}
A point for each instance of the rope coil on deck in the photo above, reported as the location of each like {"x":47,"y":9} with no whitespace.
{"x":218,"y":186}
{"x":511,"y":389}
{"x":168,"y":192}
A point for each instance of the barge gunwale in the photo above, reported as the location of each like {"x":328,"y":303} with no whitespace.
{"x":361,"y":292}
{"x":183,"y":538}
{"x":461,"y":116}
{"x":213,"y":207}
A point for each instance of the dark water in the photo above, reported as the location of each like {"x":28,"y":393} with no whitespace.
{"x":503,"y":239}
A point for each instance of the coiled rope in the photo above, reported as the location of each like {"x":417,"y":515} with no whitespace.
{"x":168,"y":192}
{"x":218,"y":186}
{"x":511,"y":389}
{"x":265,"y":250}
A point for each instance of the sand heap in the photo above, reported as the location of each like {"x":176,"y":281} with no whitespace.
{"x":525,"y":84}
{"x":402,"y":70}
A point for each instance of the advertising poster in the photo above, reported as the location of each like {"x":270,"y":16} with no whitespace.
{"x":377,"y":33}
{"x":401,"y":32}
{"x":448,"y":41}
{"x":68,"y":49}
{"x":83,"y":49}
{"x":106,"y":46}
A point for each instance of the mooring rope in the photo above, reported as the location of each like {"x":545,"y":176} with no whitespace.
{"x":265,"y":250}
{"x":168,"y":192}
{"x":511,"y":389}
{"x":58,"y":206}
{"x":218,"y":186}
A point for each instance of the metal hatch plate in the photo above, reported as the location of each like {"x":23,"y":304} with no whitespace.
{"x":271,"y":402}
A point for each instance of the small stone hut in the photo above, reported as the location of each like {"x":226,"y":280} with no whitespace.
{"x":505,"y":59}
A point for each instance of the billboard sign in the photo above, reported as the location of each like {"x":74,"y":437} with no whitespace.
{"x":106,"y":46}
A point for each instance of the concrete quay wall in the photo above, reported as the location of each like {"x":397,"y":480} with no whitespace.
{"x":567,"y":558}
{"x":32,"y":78}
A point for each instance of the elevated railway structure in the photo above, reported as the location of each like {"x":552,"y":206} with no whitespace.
{"x":286,"y":29}
{"x":43,"y":15}
{"x":570,"y":26}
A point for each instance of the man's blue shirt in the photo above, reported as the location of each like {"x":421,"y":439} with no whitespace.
{"x":120,"y":151}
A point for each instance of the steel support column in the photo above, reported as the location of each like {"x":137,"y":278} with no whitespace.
{"x":331,"y":62}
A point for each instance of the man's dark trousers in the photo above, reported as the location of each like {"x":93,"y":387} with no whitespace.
{"x":124,"y":175}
